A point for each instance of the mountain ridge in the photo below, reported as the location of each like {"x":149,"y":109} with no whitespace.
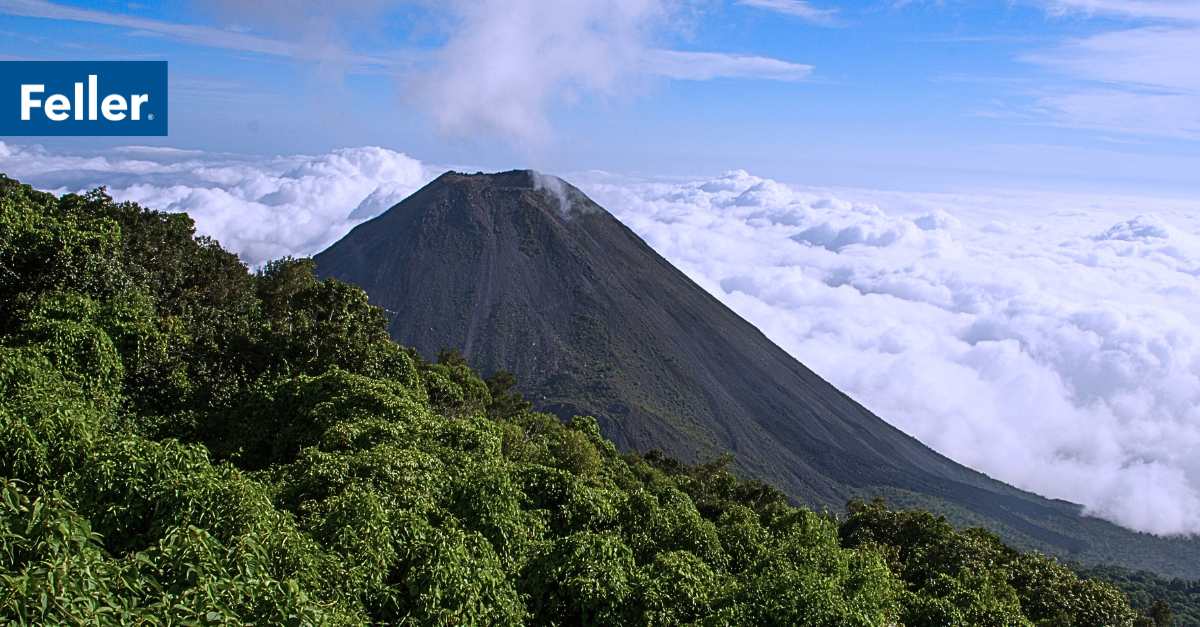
{"x":489,"y":263}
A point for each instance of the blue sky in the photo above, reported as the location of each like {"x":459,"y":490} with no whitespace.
{"x":1057,"y":94}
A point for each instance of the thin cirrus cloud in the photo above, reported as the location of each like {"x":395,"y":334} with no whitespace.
{"x":1139,"y":80}
{"x":795,"y":8}
{"x":190,"y":33}
{"x":1155,"y":9}
{"x":1169,"y":115}
{"x":1049,"y":340}
{"x":700,"y":66}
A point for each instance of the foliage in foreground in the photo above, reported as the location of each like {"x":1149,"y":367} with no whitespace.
{"x":182,"y":441}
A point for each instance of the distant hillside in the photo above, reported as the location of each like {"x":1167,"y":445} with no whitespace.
{"x":1170,"y":601}
{"x":524,"y":273}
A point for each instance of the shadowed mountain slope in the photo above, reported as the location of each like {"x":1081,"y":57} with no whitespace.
{"x":524,"y":273}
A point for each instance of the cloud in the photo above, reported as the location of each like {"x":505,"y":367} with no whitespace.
{"x":261,"y":208}
{"x":507,"y":64}
{"x":192,"y":33}
{"x":1051,"y":341}
{"x":795,"y":8}
{"x":1151,"y":57}
{"x":702,"y":66}
{"x":1140,"y":81}
{"x":1114,"y":110}
{"x":1143,"y":9}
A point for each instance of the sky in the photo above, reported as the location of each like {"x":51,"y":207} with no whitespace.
{"x":904,"y":94}
{"x":981,"y":220}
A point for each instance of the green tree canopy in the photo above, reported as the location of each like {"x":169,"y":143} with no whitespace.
{"x":183,"y":440}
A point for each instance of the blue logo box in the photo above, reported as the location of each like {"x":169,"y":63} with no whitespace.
{"x":83,"y":98}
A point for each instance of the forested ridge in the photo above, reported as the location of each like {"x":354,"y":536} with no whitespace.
{"x":183,"y":441}
{"x":1169,"y":601}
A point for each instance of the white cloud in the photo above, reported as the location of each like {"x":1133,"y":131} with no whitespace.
{"x":263,"y":208}
{"x":1050,"y":340}
{"x":191,"y":33}
{"x":1142,"y":80}
{"x":702,"y":66}
{"x":1137,"y":113}
{"x":507,"y":63}
{"x":795,"y":8}
{"x":1143,"y":9}
{"x":1152,"y":57}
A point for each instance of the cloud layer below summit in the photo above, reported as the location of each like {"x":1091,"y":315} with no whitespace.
{"x":1049,"y":340}
{"x":263,"y":208}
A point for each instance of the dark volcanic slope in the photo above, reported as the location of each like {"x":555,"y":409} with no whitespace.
{"x":591,"y":320}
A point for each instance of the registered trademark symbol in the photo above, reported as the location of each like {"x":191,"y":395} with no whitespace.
{"x":150,"y":117}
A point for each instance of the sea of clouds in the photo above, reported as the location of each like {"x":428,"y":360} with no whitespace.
{"x":262,"y":207}
{"x":1049,"y":340}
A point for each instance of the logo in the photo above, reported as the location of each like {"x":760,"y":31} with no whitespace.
{"x":86,"y":98}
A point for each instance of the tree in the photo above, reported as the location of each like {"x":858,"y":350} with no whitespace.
{"x":506,"y":400}
{"x":1160,"y":613}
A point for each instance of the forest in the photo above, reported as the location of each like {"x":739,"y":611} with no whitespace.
{"x":184,"y":441}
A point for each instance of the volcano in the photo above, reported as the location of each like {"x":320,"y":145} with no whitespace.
{"x":523,"y":272}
